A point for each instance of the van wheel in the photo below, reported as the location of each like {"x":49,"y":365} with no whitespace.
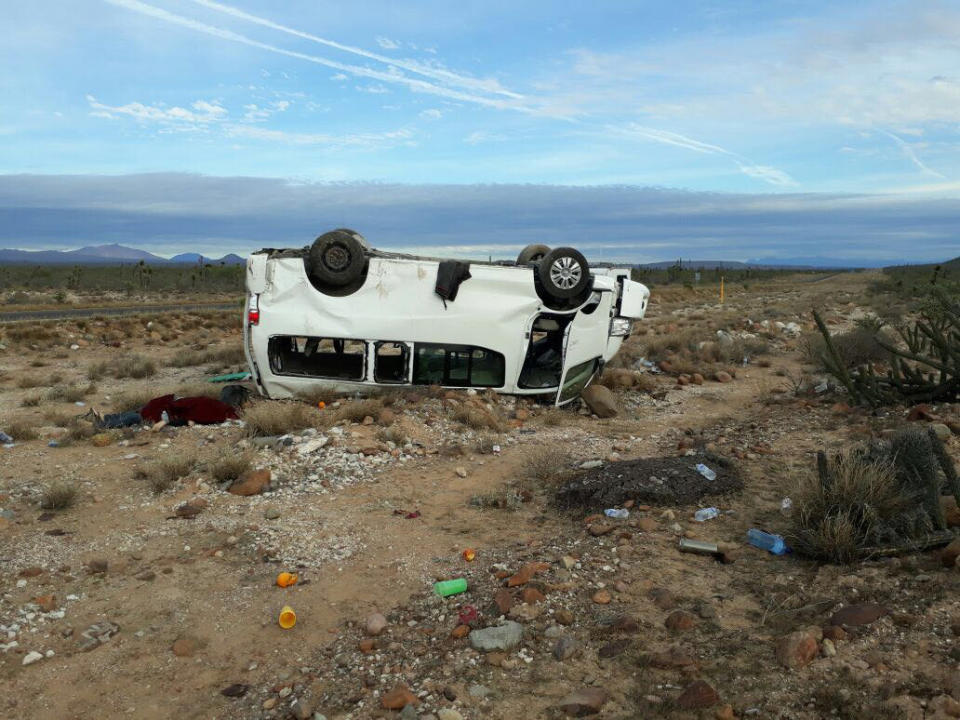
{"x":336,"y":258}
{"x":357,"y":236}
{"x":532,"y":253}
{"x":564,"y":273}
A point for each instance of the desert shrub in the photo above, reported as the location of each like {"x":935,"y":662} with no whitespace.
{"x":69,"y":393}
{"x":861,"y":507}
{"x":546,"y":464}
{"x":485,"y":442}
{"x":57,"y":417}
{"x":229,"y":466}
{"x":58,"y":496}
{"x":357,"y":410}
{"x":659,"y":346}
{"x":29,"y":381}
{"x":393,"y":433}
{"x":163,"y":473}
{"x":32,"y":400}
{"x":618,"y":378}
{"x":78,"y":429}
{"x":267,"y":417}
{"x":125,"y":366}
{"x":316,"y":395}
{"x":19,"y":430}
{"x":477,"y":418}
{"x":233,"y":355}
{"x":553,"y":416}
{"x":855,"y":347}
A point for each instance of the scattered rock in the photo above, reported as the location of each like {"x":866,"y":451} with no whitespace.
{"x":500,"y":637}
{"x":252,"y":482}
{"x":942,"y":431}
{"x":375,"y":625}
{"x":680,"y":620}
{"x":563,"y":616}
{"x":672,"y":659}
{"x":399,"y":698}
{"x":834,"y":633}
{"x":612,"y":649}
{"x":663,"y":598}
{"x":31,"y":657}
{"x":601,"y":401}
{"x":602,"y":597}
{"x":598,"y":529}
{"x":531,"y":596}
{"x":503,"y":600}
{"x":862,"y":613}
{"x":585,"y":701}
{"x":234,"y":691}
{"x":697,"y":696}
{"x":566,"y":648}
{"x":272,"y":512}
{"x":97,"y":566}
{"x":185,"y":646}
{"x":190,"y":509}
{"x":526,"y":573}
{"x":797,"y":649}
{"x":448,"y":714}
{"x":949,"y":555}
{"x":460,"y":632}
{"x":47,"y":603}
{"x":951,"y":513}
{"x":722,"y":377}
{"x":147,"y":575}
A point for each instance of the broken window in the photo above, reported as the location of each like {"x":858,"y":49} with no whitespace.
{"x":333,"y":358}
{"x":577,"y":378}
{"x":457,"y":365}
{"x":392,"y":362}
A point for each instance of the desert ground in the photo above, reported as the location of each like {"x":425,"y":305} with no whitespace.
{"x":133,"y":583}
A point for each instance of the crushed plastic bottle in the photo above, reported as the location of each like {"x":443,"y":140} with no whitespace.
{"x":773,"y":544}
{"x":786,"y":505}
{"x":619,"y":513}
{"x":4,"y":438}
{"x":706,"y":472}
{"x":705,"y":514}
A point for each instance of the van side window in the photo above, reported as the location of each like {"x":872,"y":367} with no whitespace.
{"x":333,"y":358}
{"x":391,"y":362}
{"x":457,"y":365}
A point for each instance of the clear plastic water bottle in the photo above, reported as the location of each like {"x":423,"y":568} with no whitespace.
{"x":705,"y":514}
{"x":619,"y":513}
{"x":706,"y":472}
{"x":767,"y":541}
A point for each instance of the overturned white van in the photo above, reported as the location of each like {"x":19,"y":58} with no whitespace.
{"x":340,"y":315}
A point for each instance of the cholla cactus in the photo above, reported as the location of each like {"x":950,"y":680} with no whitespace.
{"x":926,"y":368}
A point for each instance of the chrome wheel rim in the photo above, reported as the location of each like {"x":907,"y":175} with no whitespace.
{"x":565,"y":273}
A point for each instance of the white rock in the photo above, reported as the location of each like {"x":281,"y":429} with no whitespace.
{"x":31,"y":657}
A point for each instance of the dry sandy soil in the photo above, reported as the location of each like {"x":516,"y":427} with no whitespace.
{"x":611,"y":612}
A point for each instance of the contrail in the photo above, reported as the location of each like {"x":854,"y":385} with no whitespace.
{"x":413,"y":84}
{"x":491,"y":86}
{"x":911,"y":155}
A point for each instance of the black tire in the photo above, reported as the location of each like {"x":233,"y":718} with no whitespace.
{"x":357,"y":236}
{"x":336,"y":259}
{"x":532,"y":253}
{"x":564,"y":273}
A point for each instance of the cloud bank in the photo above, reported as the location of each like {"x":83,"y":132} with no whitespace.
{"x":172,"y":212}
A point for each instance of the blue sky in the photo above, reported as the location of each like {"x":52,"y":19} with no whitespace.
{"x":806,"y":102}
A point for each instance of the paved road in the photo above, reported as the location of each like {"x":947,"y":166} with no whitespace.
{"x":62,"y":313}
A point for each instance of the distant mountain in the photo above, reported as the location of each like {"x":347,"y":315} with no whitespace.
{"x":114,"y":252}
{"x":787,"y":263}
{"x":695,"y":264}
{"x":107,"y":255}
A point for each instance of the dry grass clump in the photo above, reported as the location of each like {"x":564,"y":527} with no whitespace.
{"x":316,"y":395}
{"x":861,"y":507}
{"x":393,"y":433}
{"x":855,"y":347}
{"x":478,"y":418}
{"x":229,"y":466}
{"x":32,"y":400}
{"x":135,"y":398}
{"x":546,"y":464}
{"x":126,"y":366}
{"x":357,"y":410}
{"x":69,"y":393}
{"x":219,"y":356}
{"x":163,"y":473}
{"x":20,"y":430}
{"x":29,"y":381}
{"x":553,"y":416}
{"x":58,"y":496}
{"x":265,"y":418}
{"x":621,"y":379}
{"x":57,"y":417}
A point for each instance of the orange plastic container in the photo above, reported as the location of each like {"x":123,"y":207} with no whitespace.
{"x":286,"y":579}
{"x":288,"y":618}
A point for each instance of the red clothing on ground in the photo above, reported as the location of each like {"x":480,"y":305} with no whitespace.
{"x":201,"y":410}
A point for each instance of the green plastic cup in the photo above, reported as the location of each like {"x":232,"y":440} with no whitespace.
{"x":445,"y":588}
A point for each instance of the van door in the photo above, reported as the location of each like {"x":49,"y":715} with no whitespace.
{"x":584,"y":342}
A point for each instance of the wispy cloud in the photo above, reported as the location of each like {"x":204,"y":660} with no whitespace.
{"x":358,"y":140}
{"x":202,"y":113}
{"x":911,"y":155}
{"x":768,"y":174}
{"x":441,"y":74}
{"x":431,"y":114}
{"x":357,"y":70}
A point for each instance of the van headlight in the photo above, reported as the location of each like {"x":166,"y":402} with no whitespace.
{"x":620,"y":327}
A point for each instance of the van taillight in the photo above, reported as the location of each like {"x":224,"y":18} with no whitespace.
{"x":253,"y":311}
